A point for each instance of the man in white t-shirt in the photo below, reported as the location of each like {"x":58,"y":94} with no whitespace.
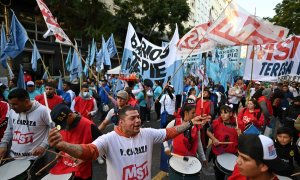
{"x":128,"y":149}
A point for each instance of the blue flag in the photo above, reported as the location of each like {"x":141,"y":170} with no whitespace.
{"x":17,"y":40}
{"x":87,"y":62}
{"x":99,"y":61}
{"x":34,"y":57}
{"x":93,"y":52}
{"x":3,"y":43}
{"x":60,"y":82}
{"x":45,"y":75}
{"x":79,"y":65}
{"x":11,"y":74}
{"x":21,"y":81}
{"x":68,"y":60}
{"x":111,"y":46}
{"x":105,"y":54}
{"x":74,"y":68}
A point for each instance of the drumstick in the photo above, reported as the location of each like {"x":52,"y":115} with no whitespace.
{"x":225,"y":142}
{"x":296,"y":174}
{"x":43,"y":168}
{"x":58,"y":154}
{"x":177,"y":155}
{"x":10,"y":158}
{"x":48,"y":110}
{"x":236,"y":121}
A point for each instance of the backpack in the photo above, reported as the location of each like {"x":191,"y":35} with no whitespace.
{"x":115,"y":117}
{"x":164,"y":117}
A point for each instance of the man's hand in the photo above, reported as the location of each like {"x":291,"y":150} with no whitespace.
{"x":168,"y":152}
{"x":201,"y":119}
{"x":3,"y":151}
{"x":38,"y":151}
{"x":215,"y":142}
{"x":55,"y":138}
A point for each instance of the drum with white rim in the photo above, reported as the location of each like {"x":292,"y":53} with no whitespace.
{"x":283,"y":177}
{"x":14,"y":168}
{"x":184,"y":169}
{"x":58,"y":176}
{"x":226,"y":162}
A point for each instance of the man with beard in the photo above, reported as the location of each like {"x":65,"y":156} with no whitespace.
{"x":128,"y":149}
{"x":84,"y":103}
{"x":52,"y":98}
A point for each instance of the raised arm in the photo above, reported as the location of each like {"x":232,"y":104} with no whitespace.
{"x":80,"y":151}
{"x":176,"y":130}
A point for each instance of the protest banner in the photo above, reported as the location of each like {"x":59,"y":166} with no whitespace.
{"x":274,"y":60}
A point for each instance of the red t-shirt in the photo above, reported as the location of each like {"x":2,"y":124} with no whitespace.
{"x":245,"y":117}
{"x":3,"y":121}
{"x":52,"y":102}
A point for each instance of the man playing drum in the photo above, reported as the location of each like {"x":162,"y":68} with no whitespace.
{"x":128,"y":149}
{"x":27,"y":129}
{"x":78,"y":130}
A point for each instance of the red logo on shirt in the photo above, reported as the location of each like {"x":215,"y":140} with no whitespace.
{"x":134,"y":172}
{"x":22,"y":138}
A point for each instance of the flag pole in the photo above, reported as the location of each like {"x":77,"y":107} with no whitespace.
{"x":62,"y":59}
{"x":182,"y":63}
{"x":6,"y":17}
{"x":252,"y":66}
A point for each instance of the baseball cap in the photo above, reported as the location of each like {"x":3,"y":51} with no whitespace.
{"x":30,"y":83}
{"x":59,"y":115}
{"x":122,"y":94}
{"x":171,"y":86}
{"x":190,"y":101}
{"x":261,"y":148}
{"x":257,"y":82}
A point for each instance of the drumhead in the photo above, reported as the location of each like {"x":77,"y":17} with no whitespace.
{"x":227,"y":161}
{"x":192,"y":166}
{"x":57,"y":177}
{"x":283,"y":177}
{"x":14,"y":168}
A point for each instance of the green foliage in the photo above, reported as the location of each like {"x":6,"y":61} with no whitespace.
{"x":288,"y":15}
{"x":152,"y":17}
{"x":83,"y":18}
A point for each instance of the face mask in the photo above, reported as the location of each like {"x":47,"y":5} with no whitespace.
{"x":85,"y":94}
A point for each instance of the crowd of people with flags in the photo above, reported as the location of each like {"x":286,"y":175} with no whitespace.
{"x":208,"y":113}
{"x":244,"y":108}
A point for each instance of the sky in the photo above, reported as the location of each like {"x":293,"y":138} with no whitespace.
{"x":264,"y":8}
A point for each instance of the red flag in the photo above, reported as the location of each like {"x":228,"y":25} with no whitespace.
{"x":53,"y":26}
{"x":236,"y":26}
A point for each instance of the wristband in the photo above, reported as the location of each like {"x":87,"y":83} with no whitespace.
{"x":191,"y":123}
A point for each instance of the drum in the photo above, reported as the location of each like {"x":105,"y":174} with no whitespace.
{"x":58,"y":177}
{"x":181,"y":169}
{"x":283,"y":177}
{"x":251,"y":129}
{"x":14,"y":168}
{"x":225,"y":163}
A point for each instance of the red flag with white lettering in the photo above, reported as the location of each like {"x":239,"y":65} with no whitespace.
{"x":236,"y":26}
{"x":53,"y":26}
{"x":191,"y":41}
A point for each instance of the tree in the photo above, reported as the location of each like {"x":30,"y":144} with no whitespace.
{"x":288,"y":15}
{"x":152,"y":17}
{"x":83,"y":18}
